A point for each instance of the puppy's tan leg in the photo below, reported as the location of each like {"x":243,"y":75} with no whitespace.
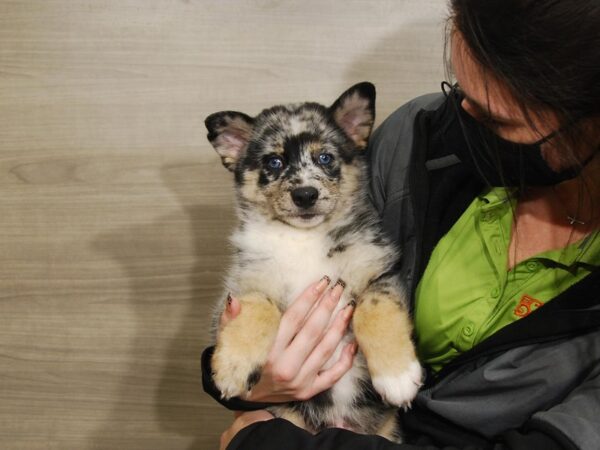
{"x":289,"y":414}
{"x":390,"y":428}
{"x":243,"y":345}
{"x":383,"y":331}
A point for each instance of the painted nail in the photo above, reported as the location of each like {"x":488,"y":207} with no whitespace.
{"x":348,"y":310}
{"x":321,"y":285}
{"x":336,"y":292}
{"x":323,"y":282}
{"x":341,"y":282}
{"x":229,"y":299}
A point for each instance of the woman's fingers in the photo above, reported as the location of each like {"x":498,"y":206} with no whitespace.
{"x":294,"y":366}
{"x":311,"y":332}
{"x":231,"y":311}
{"x":296,"y":313}
{"x":327,"y":346}
{"x":329,"y":377}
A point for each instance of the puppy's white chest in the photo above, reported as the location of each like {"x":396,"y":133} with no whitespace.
{"x":281,"y":261}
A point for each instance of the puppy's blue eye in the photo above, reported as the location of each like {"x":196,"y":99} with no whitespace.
{"x":325,"y":159}
{"x":275,"y":163}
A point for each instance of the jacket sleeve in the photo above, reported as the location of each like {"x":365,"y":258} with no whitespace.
{"x":276,"y":434}
{"x":391,"y":154}
{"x":577,"y":418}
{"x":389,"y":151}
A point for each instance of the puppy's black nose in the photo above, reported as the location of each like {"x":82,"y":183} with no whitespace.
{"x":305,"y":197}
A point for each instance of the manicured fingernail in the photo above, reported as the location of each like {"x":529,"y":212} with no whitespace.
{"x":348,"y":310}
{"x":341,"y":283}
{"x":229,"y":299}
{"x":323,"y":283}
{"x":336,"y":292}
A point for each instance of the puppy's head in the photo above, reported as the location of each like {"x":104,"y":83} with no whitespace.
{"x":297,"y":163}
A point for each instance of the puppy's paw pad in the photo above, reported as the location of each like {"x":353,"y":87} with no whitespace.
{"x":399,"y":390}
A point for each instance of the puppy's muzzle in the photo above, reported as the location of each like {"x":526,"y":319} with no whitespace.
{"x":305,"y":197}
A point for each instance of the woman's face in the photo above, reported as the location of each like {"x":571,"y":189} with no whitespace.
{"x":490,"y":102}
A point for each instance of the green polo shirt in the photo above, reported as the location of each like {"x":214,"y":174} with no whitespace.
{"x":467,"y":294}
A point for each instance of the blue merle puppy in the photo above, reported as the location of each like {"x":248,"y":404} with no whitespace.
{"x":301,"y":184}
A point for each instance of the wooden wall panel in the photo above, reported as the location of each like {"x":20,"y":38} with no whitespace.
{"x":114,"y":210}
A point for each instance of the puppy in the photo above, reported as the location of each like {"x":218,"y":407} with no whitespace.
{"x":301,"y":184}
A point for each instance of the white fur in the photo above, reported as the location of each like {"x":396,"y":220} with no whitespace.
{"x":401,"y":389}
{"x":297,"y":125}
{"x":285,"y":260}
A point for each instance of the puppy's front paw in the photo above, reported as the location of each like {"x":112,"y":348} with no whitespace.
{"x":400,"y":389}
{"x":243,"y":345}
{"x":234,"y":372}
{"x":381,"y":318}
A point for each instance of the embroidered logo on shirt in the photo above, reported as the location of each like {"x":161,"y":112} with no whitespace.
{"x":526,"y":306}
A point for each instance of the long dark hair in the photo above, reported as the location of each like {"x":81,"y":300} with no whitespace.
{"x":547,"y":52}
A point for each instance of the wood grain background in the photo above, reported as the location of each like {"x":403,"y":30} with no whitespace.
{"x":114,"y":210}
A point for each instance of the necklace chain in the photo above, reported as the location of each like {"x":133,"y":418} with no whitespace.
{"x":572,"y":219}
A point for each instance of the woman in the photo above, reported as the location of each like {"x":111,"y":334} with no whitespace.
{"x":493,"y":192}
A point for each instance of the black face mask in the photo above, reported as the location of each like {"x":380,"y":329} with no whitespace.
{"x":499,"y":162}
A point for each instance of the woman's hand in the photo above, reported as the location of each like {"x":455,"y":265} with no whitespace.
{"x":305,"y":341}
{"x":242,"y":421}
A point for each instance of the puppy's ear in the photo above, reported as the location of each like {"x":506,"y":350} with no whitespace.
{"x":229,"y":133}
{"x":354,"y":112}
